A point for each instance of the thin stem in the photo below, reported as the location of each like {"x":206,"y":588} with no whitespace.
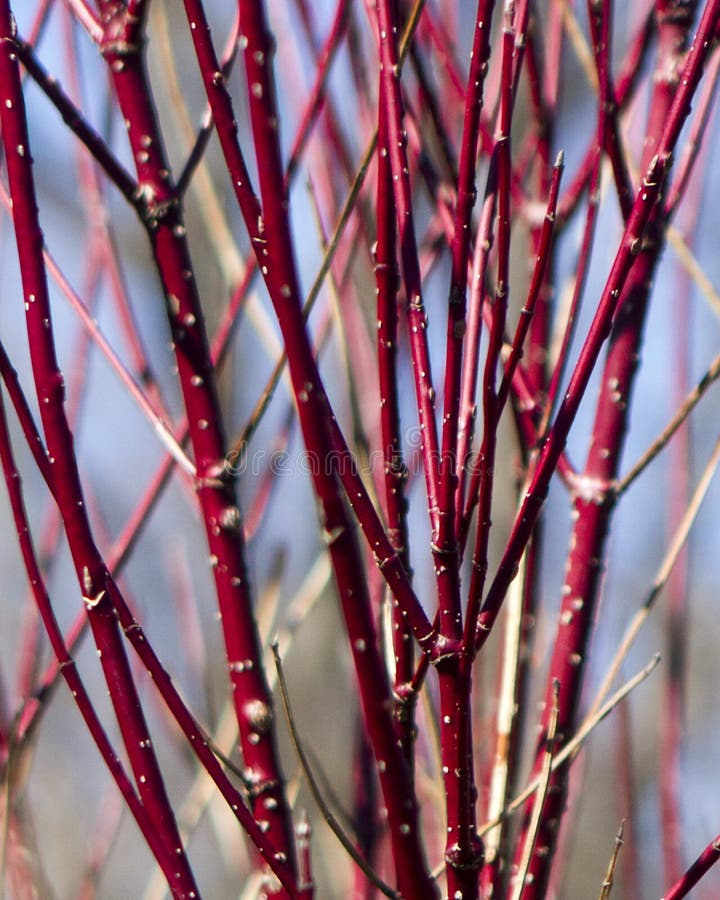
{"x":608,"y":881}
{"x":702,"y":865}
{"x":327,"y":814}
{"x":30,"y":430}
{"x":662,"y":440}
{"x":542,"y":260}
{"x":583,"y":264}
{"x":625,"y":85}
{"x":277,"y":253}
{"x":450,"y":487}
{"x":593,"y":503}
{"x":540,"y":794}
{"x":416,"y":316}
{"x":74,"y":119}
{"x":471,"y":358}
{"x":395,"y":471}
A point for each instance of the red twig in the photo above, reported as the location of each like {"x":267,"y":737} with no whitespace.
{"x":625,"y":85}
{"x":598,"y":333}
{"x":542,"y":261}
{"x":593,"y":502}
{"x":450,"y":487}
{"x":90,"y":569}
{"x":416,"y":316}
{"x":121,"y":48}
{"x":697,"y":870}
{"x":395,"y":471}
{"x":275,"y":248}
{"x":490,"y":400}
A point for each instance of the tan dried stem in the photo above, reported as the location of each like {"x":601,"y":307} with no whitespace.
{"x":689,"y":404}
{"x":540,"y":795}
{"x":676,"y":545}
{"x":327,"y":814}
{"x":507,"y":710}
{"x":607,"y":885}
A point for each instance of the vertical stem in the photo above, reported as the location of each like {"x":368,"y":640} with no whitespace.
{"x":594,"y":502}
{"x":316,"y":424}
{"x":471,"y":357}
{"x":165,"y":227}
{"x":448,"y":534}
{"x":292,"y":320}
{"x":416,"y":316}
{"x":386,"y":279}
{"x":490,"y":404}
{"x":464,"y":849}
{"x":91,"y":571}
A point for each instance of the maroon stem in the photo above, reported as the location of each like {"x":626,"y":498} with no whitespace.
{"x":322,"y":57}
{"x":471,"y":358}
{"x":276,"y":253}
{"x":594,"y":501}
{"x":416,"y":316}
{"x":607,"y":112}
{"x":457,"y":301}
{"x":74,"y":119}
{"x":163,"y":220}
{"x":464,"y":849}
{"x":368,"y":828}
{"x":280,"y":292}
{"x":537,"y":285}
{"x":624,"y":92}
{"x":490,"y":400}
{"x":581,"y":271}
{"x":600,"y":15}
{"x":25,"y":417}
{"x":627,"y":253}
{"x":543,"y":73}
{"x":395,"y":471}
{"x":701,"y":866}
{"x":703,"y":111}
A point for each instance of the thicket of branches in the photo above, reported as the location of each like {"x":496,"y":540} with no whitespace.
{"x":411,"y":260}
